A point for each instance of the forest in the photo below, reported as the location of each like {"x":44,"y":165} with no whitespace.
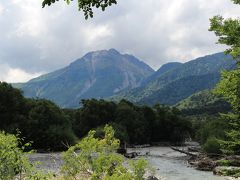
{"x":49,"y":127}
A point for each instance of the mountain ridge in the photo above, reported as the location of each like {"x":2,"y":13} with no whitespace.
{"x":207,"y":65}
{"x":109,"y":74}
{"x":97,"y":74}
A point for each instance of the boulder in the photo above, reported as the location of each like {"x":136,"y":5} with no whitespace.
{"x":152,"y":178}
{"x":206,"y":164}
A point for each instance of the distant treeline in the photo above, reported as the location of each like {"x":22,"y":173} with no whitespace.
{"x":51,"y":128}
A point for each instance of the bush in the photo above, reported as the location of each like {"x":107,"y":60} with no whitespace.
{"x":228,"y":171}
{"x":14,"y":162}
{"x":94,"y":158}
{"x":223,"y":162}
{"x":212,"y":146}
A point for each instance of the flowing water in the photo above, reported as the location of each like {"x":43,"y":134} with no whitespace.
{"x":172,"y":165}
{"x":169,"y":164}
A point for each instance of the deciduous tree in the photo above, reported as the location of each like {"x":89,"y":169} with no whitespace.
{"x":86,"y":5}
{"x":228,"y":31}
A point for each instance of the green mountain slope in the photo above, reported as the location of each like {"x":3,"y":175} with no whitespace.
{"x":181,"y":82}
{"x":98,"y":74}
{"x":181,"y":89}
{"x":164,"y":69}
{"x":204,"y":102}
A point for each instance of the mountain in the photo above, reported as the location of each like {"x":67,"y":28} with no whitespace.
{"x":164,"y":68}
{"x":98,"y":74}
{"x":180,"y":89}
{"x":178,"y":83}
{"x":111,"y":75}
{"x":203,"y":102}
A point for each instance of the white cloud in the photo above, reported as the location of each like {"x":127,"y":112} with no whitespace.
{"x":1,"y":9}
{"x":15,"y":75}
{"x":95,"y":34}
{"x":30,"y":20}
{"x":35,"y":39}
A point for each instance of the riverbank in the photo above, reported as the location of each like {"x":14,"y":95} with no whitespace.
{"x":173,"y":165}
{"x":218,"y":164}
{"x":169,"y":164}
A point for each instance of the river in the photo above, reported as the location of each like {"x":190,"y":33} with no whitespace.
{"x":172,"y":165}
{"x":169,"y":164}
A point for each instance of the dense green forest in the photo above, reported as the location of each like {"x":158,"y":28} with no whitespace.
{"x":52,"y":128}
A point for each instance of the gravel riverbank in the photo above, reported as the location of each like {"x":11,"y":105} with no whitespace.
{"x":169,"y":164}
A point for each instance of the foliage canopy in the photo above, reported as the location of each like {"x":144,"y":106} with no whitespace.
{"x":52,"y":128}
{"x":228,"y":31}
{"x":86,"y":5}
{"x":14,"y":162}
{"x":40,"y":121}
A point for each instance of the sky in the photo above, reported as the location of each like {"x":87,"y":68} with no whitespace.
{"x":36,"y":40}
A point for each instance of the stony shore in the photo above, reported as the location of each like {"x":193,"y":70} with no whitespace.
{"x":169,"y":164}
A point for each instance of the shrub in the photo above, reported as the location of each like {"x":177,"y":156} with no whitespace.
{"x":229,"y":171}
{"x":212,"y":146}
{"x":14,"y":161}
{"x":95,"y":158}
